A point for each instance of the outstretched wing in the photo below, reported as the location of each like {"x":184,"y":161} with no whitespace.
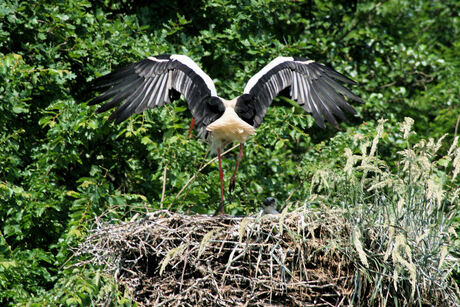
{"x":155,"y":81}
{"x":314,"y":86}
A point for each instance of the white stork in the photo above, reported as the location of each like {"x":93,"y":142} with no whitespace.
{"x":161,"y":79}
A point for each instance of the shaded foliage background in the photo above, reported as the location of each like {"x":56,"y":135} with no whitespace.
{"x":61,"y":165}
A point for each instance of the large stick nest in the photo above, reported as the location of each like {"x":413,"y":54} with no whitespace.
{"x":173,"y":259}
{"x":303,"y":258}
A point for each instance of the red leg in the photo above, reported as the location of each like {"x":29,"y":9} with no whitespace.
{"x":232,"y":180}
{"x":221,"y":177}
{"x":192,"y":124}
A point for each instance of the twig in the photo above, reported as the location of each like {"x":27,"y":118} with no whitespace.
{"x":201,"y":164}
{"x":185,"y":263}
{"x":456,"y":126}
{"x":164,"y":186}
{"x":196,"y":174}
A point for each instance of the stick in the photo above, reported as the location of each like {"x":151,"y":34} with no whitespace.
{"x":456,"y":126}
{"x":196,"y":174}
{"x":164,"y":186}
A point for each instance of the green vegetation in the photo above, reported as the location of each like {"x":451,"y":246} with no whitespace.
{"x":61,"y":166}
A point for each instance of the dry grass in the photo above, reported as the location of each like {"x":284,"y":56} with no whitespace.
{"x":405,"y":221}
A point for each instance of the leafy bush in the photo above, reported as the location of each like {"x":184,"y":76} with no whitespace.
{"x":62,"y":166}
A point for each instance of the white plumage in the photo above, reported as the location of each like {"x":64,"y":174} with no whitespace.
{"x":228,"y":128}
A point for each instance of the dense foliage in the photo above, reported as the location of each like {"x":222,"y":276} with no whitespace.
{"x":61,"y":166}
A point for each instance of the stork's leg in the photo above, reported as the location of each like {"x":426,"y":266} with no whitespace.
{"x":232,"y":180}
{"x":192,"y":124}
{"x":221,"y":177}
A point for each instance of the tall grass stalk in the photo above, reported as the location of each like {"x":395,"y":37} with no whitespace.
{"x":402,"y":223}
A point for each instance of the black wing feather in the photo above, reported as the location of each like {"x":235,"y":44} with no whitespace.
{"x":153,"y":82}
{"x":314,"y":86}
